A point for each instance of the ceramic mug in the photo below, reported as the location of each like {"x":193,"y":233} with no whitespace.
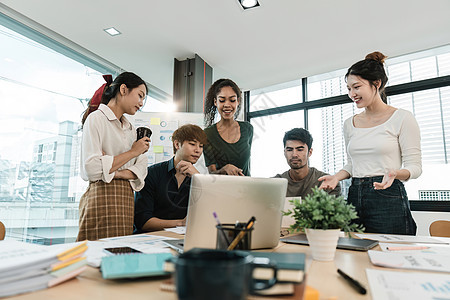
{"x":143,"y":131}
{"x":202,"y":274}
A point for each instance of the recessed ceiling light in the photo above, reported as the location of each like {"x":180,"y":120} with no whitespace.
{"x":246,"y":4}
{"x":112,"y":31}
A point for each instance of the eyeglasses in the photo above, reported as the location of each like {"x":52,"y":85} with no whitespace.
{"x":284,"y":232}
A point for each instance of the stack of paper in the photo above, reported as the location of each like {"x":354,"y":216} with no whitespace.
{"x":144,"y":243}
{"x":28,"y":267}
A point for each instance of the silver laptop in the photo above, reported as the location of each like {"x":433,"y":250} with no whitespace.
{"x":234,"y":198}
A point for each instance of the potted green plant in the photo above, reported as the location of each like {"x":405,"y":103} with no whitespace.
{"x":322,"y":216}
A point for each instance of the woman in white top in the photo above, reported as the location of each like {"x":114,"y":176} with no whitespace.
{"x":112,"y":160}
{"x":383,"y":149}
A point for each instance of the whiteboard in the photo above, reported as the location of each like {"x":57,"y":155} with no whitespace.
{"x":163,"y":125}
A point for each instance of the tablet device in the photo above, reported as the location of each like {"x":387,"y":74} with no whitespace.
{"x":121,"y":250}
{"x":343,"y":243}
{"x":177,"y":245}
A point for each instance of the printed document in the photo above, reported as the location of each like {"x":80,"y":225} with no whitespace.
{"x":398,"y":238}
{"x":416,"y":261}
{"x":178,"y":229}
{"x":392,"y":285}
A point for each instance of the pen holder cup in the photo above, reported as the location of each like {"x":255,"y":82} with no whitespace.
{"x":226,"y":233}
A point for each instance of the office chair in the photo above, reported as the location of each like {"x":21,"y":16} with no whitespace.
{"x":440,"y":228}
{"x":2,"y":231}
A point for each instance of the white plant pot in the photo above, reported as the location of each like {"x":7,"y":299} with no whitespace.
{"x":323,"y":243}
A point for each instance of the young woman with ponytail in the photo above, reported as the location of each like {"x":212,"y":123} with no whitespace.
{"x":111,"y":159}
{"x":383,"y":149}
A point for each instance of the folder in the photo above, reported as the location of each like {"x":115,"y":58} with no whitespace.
{"x":134,"y":265}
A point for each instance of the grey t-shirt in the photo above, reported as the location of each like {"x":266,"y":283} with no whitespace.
{"x":304,"y":186}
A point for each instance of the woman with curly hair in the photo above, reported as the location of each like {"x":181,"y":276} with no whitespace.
{"x":383,"y":149}
{"x":229,"y":141}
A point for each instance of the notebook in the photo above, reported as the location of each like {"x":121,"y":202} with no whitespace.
{"x":134,"y":265}
{"x":290,"y":266}
{"x":343,"y":243}
{"x":234,"y":198}
{"x":283,"y":260}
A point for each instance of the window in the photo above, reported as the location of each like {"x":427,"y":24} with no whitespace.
{"x":275,"y":96}
{"x":326,"y":85}
{"x":43,"y":93}
{"x":267,"y":156}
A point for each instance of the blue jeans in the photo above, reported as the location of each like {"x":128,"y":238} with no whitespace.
{"x":381,"y":211}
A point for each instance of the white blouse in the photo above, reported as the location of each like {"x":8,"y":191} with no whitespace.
{"x":373,"y":151}
{"x":104,"y":133}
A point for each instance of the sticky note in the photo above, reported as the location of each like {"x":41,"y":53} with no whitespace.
{"x":155,"y":121}
{"x":158,"y":149}
{"x":311,"y":293}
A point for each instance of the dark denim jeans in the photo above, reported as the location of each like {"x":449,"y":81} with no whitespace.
{"x":381,"y":211}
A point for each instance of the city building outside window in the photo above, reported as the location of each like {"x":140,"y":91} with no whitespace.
{"x":43,"y":94}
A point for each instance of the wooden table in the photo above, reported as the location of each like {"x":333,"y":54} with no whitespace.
{"x":320,"y":275}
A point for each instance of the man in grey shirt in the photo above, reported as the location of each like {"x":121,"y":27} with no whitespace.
{"x":301,"y":178}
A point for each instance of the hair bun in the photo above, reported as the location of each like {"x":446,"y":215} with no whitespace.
{"x":377,"y":56}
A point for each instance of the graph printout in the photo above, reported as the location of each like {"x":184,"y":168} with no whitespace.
{"x":395,"y":285}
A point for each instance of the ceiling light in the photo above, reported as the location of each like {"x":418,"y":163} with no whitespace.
{"x":246,"y":4}
{"x":112,"y":31}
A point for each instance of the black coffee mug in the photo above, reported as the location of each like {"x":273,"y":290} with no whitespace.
{"x":202,"y":274}
{"x":143,"y":131}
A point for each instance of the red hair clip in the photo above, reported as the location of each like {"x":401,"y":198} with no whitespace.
{"x":96,"y":99}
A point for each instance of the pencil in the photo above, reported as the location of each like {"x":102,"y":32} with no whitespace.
{"x":407,"y":248}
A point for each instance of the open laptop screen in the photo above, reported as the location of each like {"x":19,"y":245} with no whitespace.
{"x":234,"y":198}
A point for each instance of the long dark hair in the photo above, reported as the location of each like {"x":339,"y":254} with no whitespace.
{"x":210,"y":108}
{"x":130,"y":79}
{"x":371,"y":69}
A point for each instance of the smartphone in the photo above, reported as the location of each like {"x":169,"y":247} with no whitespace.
{"x":121,"y":250}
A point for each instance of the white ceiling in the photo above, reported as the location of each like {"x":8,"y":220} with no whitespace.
{"x":279,"y":41}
